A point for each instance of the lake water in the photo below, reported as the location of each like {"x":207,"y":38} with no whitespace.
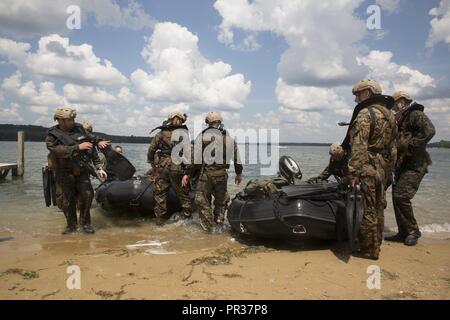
{"x":23,"y":212}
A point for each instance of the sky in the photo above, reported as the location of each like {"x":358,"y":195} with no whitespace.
{"x":286,"y":65}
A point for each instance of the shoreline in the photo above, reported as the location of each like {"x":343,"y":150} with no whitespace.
{"x":36,"y":268}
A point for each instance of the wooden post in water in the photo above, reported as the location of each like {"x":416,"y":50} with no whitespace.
{"x":20,"y":153}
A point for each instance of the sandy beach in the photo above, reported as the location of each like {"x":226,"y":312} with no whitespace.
{"x":236,"y":269}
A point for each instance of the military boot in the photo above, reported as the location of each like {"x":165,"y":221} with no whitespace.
{"x":395,"y":238}
{"x":87,"y":228}
{"x":159,"y":221}
{"x":411,"y":240}
{"x":69,"y":230}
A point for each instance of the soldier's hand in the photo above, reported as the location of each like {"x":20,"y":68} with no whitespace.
{"x":185,"y":180}
{"x":103,"y":144}
{"x":238,"y":179}
{"x":85,"y":146}
{"x":102,"y":174}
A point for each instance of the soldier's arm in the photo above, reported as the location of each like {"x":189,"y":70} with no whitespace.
{"x":238,"y":167}
{"x":98,"y":163}
{"x":326,"y":173}
{"x":359,"y":143}
{"x":60,"y":150}
{"x":152,"y":150}
{"x":425,"y":130}
{"x":196,"y":157}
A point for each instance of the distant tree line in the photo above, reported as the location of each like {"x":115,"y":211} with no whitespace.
{"x":440,"y":144}
{"x":8,"y":132}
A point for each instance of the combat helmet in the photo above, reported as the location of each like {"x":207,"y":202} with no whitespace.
{"x":65,"y":113}
{"x":178,"y":114}
{"x":401,"y":94}
{"x":371,"y":85}
{"x":212,"y":117}
{"x":336,"y":149}
{"x":87,"y":125}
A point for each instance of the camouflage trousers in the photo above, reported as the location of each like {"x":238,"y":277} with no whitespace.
{"x":163,"y":181}
{"x":210,"y":186}
{"x":406,"y":185}
{"x":371,"y":230}
{"x":70,"y":190}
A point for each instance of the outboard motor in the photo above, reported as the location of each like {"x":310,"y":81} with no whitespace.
{"x":289,"y":169}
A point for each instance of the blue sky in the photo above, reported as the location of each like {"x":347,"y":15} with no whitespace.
{"x":289,"y":65}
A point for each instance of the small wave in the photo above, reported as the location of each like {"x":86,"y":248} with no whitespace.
{"x":145,"y":243}
{"x":435,"y":227}
{"x":159,"y":251}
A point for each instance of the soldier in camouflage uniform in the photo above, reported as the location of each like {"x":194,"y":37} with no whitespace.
{"x":72,"y":174}
{"x":338,"y":165}
{"x":167,"y":173}
{"x":214,"y":147}
{"x":371,"y":139}
{"x":415,"y":131}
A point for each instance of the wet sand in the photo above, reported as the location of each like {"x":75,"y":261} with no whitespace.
{"x":36,"y":268}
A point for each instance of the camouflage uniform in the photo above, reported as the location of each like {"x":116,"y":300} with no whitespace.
{"x":337,"y":168}
{"x":72,"y":180}
{"x":212,"y":181}
{"x":371,"y":142}
{"x":167,"y":174}
{"x":415,"y":131}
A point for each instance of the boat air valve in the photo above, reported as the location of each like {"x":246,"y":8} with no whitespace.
{"x":299,"y":229}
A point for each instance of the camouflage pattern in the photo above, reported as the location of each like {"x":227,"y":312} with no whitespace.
{"x":212,"y":184}
{"x":415,"y":131}
{"x":167,"y":174}
{"x":72,"y":182}
{"x":212,"y":181}
{"x":368,"y":161}
{"x":337,"y":168}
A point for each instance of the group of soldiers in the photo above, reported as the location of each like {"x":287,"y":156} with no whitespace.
{"x":383,"y":148}
{"x":211,"y":176}
{"x":69,"y":141}
{"x":385,"y":145}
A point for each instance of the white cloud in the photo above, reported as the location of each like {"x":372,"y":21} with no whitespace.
{"x":86,"y":94}
{"x":391,"y":6}
{"x":309,"y":99}
{"x":393,"y":76}
{"x":181,"y":74}
{"x":55,"y":57}
{"x":322,"y":37}
{"x":10,"y":114}
{"x":41,"y":17}
{"x":27,"y":93}
{"x":440,"y":24}
{"x":109,"y":13}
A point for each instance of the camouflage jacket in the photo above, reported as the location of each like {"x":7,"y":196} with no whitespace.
{"x":160,"y":150}
{"x":337,"y":168}
{"x":64,"y":156}
{"x":372,"y":145}
{"x":415,"y":131}
{"x":205,"y":147}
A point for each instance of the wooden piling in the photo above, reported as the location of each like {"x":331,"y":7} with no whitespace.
{"x":20,"y":153}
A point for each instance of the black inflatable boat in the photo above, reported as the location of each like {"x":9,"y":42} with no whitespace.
{"x":132,"y":196}
{"x":296,"y":211}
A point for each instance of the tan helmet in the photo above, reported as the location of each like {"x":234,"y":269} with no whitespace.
{"x":372,"y":85}
{"x":401,"y":94}
{"x":213,"y":116}
{"x":87,"y":126}
{"x":65,"y":113}
{"x":178,"y":114}
{"x":336,"y":149}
